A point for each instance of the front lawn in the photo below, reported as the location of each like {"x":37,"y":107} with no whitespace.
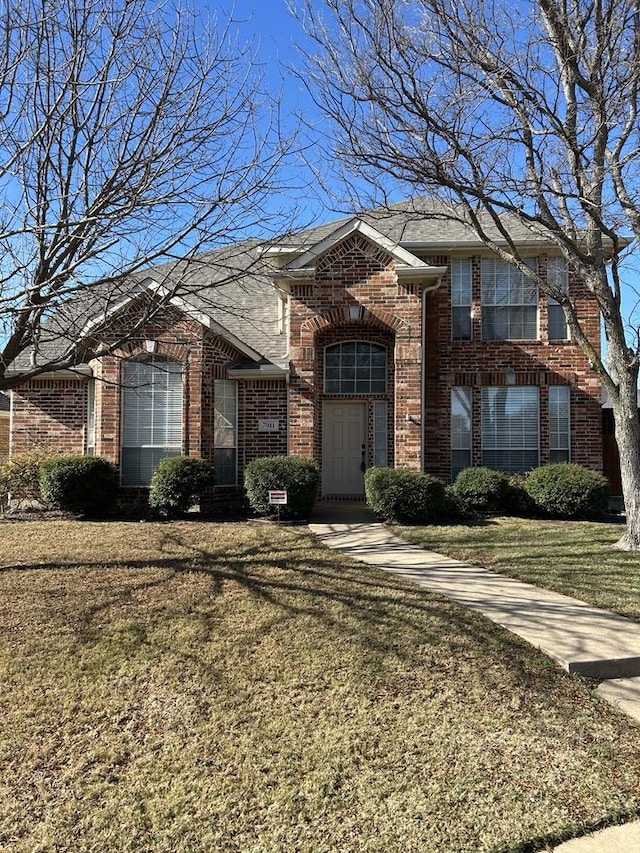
{"x":200,"y":687}
{"x":571,"y":557}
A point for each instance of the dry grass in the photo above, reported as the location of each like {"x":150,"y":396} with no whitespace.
{"x":571,"y":557}
{"x":195,"y":687}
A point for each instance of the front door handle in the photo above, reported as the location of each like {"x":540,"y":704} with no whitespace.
{"x":363,"y":464}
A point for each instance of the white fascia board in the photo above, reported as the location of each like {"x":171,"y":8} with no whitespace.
{"x":357,"y":226}
{"x":263,"y":371}
{"x":465,"y":246}
{"x":426,"y":275}
{"x":82,"y":371}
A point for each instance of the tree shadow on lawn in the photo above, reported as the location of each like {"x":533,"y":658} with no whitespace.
{"x":299,"y":586}
{"x":298,"y":581}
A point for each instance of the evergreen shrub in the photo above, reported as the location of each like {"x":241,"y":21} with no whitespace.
{"x":482,"y":490}
{"x":567,"y":490}
{"x":82,"y":485}
{"x":405,"y":497}
{"x":176,"y":484}
{"x":299,"y":476}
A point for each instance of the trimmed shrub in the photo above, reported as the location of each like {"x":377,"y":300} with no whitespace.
{"x":83,"y":485}
{"x":20,"y":477}
{"x":299,"y":476}
{"x":452,"y":508}
{"x":567,"y":490}
{"x":519,"y":502}
{"x":176,"y":484}
{"x":482,"y":490}
{"x":377,"y":482}
{"x":406,"y":497}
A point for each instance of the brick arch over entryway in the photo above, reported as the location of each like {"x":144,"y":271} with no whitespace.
{"x":350,"y":315}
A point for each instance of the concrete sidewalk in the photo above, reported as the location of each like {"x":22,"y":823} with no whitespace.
{"x":582,"y":638}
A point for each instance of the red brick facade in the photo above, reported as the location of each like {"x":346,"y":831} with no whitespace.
{"x":479,"y":363}
{"x":50,"y":414}
{"x":353,"y":295}
{"x":356,"y":296}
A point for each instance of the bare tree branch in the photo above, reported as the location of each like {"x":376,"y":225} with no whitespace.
{"x":520,"y":113}
{"x":131,"y":133}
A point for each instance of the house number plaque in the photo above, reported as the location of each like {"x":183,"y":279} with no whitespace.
{"x":269,"y":426}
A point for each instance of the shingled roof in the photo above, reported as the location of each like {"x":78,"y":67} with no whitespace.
{"x":232,"y":290}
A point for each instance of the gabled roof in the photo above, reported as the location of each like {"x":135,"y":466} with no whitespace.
{"x":227,"y":290}
{"x":424,"y":224}
{"x":408,"y":266}
{"x":230,"y":290}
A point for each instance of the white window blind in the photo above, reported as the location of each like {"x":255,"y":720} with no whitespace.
{"x":509,"y":302}
{"x":461,"y":299}
{"x":91,"y":417}
{"x":558,"y":277}
{"x":559,"y":423}
{"x":510,"y":428}
{"x":152,"y":417}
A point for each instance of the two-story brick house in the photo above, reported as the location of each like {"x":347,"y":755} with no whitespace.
{"x":377,"y":340}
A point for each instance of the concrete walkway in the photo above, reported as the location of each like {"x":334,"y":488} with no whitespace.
{"x":582,"y":638}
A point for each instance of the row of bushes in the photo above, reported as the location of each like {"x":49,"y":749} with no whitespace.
{"x":561,"y":490}
{"x":88,"y":485}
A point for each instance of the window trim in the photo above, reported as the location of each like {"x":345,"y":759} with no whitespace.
{"x":456,"y":275}
{"x":380,"y":433}
{"x":465,"y":391}
{"x":90,"y":437}
{"x":555,"y":389}
{"x":234,"y":447}
{"x":555,"y":262}
{"x":485,"y":448}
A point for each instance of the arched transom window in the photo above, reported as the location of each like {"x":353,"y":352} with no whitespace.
{"x":355,"y":367}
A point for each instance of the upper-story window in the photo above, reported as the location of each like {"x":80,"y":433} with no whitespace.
{"x":557,"y":277}
{"x":461,"y":299}
{"x":509,"y":302}
{"x":151,"y":416}
{"x":355,"y":367}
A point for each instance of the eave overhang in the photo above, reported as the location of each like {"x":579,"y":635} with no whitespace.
{"x":83,"y":371}
{"x":258,"y":371}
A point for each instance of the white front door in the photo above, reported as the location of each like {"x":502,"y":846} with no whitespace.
{"x":344,"y":435}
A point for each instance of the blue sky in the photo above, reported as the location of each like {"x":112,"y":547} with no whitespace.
{"x":275,"y":34}
{"x":271,"y":27}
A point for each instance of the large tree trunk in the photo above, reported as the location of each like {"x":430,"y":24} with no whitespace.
{"x":625,"y":409}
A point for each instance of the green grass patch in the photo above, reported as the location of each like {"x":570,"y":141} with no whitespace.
{"x":572,"y":557}
{"x":199,"y":687}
